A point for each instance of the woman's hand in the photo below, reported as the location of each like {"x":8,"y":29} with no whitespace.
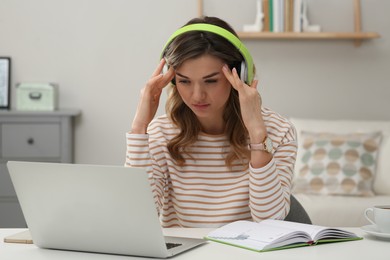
{"x":250,"y":103}
{"x":150,"y":98}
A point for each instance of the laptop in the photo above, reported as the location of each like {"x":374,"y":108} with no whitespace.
{"x":92,"y":208}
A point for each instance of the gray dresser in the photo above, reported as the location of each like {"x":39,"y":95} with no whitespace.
{"x":31,"y":136}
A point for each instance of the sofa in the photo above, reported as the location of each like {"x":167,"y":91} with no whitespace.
{"x":342,"y":168}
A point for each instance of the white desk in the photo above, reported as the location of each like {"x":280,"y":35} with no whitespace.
{"x":368,"y":248}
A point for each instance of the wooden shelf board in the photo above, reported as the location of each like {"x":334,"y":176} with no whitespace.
{"x":309,"y":35}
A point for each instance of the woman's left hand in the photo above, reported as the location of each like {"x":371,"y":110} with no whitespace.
{"x":250,"y":103}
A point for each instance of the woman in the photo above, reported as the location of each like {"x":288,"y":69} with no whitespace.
{"x":217,"y":156}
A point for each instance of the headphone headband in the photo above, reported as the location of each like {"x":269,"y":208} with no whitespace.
{"x":223,"y":33}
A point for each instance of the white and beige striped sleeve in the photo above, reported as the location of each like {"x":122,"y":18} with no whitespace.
{"x":270,"y":186}
{"x":137,"y":150}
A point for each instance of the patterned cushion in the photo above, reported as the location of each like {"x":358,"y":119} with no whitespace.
{"x":337,"y":164}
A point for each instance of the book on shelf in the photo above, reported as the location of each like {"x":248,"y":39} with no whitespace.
{"x":266,"y":16}
{"x":269,"y":235}
{"x":297,"y":13}
{"x":289,"y":15}
{"x":278,"y":15}
{"x":271,"y":15}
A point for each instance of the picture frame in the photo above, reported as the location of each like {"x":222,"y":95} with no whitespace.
{"x":5,"y":82}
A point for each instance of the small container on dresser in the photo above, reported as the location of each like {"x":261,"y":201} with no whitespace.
{"x":31,"y":136}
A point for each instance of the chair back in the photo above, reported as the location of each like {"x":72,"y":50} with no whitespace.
{"x":297,"y":212}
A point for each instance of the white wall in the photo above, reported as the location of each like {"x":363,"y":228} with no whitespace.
{"x":101,"y":52}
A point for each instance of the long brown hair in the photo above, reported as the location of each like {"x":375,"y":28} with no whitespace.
{"x":191,"y":45}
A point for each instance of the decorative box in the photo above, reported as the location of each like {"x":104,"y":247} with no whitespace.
{"x":36,"y":96}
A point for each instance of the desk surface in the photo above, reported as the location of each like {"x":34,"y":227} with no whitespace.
{"x":369,"y":248}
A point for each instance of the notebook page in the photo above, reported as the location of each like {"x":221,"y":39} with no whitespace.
{"x":312,"y":230}
{"x":253,"y":235}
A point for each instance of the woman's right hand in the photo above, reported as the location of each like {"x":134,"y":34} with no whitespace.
{"x":150,"y":98}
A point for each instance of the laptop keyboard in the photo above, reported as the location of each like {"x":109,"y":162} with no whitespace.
{"x":172,"y":245}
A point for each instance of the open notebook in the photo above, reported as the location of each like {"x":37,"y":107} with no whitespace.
{"x":93,"y":208}
{"x":271,"y":234}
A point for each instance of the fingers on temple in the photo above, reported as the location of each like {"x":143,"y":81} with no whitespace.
{"x":159,"y":68}
{"x":238,"y":83}
{"x":230,"y":75}
{"x":168,"y":76}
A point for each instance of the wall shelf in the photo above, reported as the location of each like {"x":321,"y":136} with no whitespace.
{"x":357,"y":35}
{"x":309,"y":35}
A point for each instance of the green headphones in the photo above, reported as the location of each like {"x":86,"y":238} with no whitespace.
{"x":246,"y":68}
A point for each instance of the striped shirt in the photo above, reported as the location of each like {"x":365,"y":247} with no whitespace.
{"x":204,"y":192}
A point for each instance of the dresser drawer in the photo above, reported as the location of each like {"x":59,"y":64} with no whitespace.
{"x":30,"y":140}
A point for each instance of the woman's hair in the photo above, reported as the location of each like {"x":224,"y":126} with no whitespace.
{"x":194,"y":44}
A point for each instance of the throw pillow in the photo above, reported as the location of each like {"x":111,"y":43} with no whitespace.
{"x":337,"y":164}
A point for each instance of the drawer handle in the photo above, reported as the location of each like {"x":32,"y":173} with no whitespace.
{"x":35,"y":95}
{"x":30,"y":141}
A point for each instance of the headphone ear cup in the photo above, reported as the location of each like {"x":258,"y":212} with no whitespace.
{"x":244,"y":72}
{"x":237,"y":66}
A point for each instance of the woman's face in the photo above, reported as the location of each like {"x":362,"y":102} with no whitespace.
{"x":203,"y":87}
